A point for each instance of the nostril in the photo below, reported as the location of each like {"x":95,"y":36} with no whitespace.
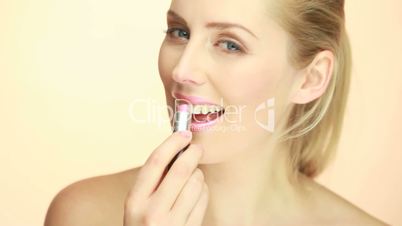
{"x":181,"y":77}
{"x":184,"y":81}
{"x":185,"y":75}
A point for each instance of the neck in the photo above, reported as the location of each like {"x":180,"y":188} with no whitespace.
{"x":246,"y":190}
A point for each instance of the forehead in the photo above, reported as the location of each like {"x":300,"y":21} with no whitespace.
{"x":249,"y":13}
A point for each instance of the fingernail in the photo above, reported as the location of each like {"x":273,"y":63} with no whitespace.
{"x":185,"y":133}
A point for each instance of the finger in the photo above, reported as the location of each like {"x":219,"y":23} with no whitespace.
{"x":197,"y":214}
{"x":188,"y":197}
{"x":151,"y":172}
{"x":176,"y":178}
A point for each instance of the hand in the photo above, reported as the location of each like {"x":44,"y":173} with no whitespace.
{"x":178,"y":198}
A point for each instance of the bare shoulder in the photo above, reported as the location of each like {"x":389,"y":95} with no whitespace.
{"x":341,"y":211}
{"x":93,"y":201}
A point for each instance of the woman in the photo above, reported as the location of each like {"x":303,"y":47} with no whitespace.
{"x":242,"y":167}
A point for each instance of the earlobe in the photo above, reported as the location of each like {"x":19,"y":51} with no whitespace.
{"x":314,"y":79}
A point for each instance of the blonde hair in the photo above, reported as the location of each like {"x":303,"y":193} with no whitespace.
{"x":312,"y":130}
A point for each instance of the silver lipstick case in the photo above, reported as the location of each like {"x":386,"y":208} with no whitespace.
{"x":182,"y":121}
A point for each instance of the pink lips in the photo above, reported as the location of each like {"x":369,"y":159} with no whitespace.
{"x":192,"y":99}
{"x":197,"y":126}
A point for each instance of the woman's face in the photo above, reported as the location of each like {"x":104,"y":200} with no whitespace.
{"x":232,"y":54}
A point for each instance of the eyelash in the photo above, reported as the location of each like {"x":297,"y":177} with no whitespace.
{"x":239,"y":50}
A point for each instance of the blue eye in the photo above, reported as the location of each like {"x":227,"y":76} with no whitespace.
{"x":227,"y":45}
{"x":230,"y":46}
{"x":177,"y":32}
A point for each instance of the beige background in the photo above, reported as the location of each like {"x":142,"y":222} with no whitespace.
{"x":70,"y":69}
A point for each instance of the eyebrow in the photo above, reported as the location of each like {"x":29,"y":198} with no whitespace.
{"x":218,"y":25}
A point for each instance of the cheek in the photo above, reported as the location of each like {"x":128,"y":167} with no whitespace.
{"x":166,"y":63}
{"x":250,"y":82}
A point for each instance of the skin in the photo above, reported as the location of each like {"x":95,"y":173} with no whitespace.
{"x":223,"y":178}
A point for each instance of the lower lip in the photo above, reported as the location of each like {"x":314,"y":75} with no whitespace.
{"x":203,"y":126}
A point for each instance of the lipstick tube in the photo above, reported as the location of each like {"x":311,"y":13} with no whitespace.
{"x":182,"y":122}
{"x":182,"y":119}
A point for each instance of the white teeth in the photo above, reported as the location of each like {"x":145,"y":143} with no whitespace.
{"x":197,"y":109}
{"x":213,"y":109}
{"x":205,"y":109}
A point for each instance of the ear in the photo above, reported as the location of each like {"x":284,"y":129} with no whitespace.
{"x":313,"y":80}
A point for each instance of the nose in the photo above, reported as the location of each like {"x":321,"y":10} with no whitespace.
{"x":189,"y":68}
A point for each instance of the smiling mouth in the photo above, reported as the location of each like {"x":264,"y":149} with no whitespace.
{"x":204,"y":113}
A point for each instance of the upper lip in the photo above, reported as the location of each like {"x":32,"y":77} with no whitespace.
{"x":193,"y":99}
